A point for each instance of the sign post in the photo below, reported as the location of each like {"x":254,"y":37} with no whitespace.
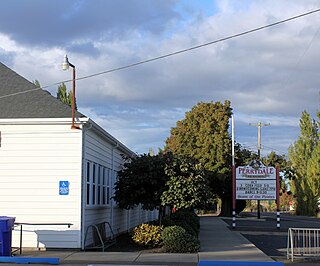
{"x":233,"y":197}
{"x":278,"y":197}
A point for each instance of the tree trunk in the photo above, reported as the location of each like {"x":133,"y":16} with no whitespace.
{"x":226,"y":207}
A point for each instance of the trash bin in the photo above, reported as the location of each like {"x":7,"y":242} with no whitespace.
{"x":6,"y":225}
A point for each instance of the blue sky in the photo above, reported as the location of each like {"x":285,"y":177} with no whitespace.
{"x":269,"y":76}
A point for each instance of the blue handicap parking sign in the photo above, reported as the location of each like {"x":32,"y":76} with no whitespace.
{"x":63,"y":187}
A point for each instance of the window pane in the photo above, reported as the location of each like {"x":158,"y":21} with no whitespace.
{"x":108,"y":177}
{"x":94,"y":174}
{"x":93,"y":194}
{"x":99,"y":197}
{"x":108,"y":195}
{"x":98,"y":174}
{"x":88,"y":194}
{"x":104,"y":196}
{"x":88,"y":171}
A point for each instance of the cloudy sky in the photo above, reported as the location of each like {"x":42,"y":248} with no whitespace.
{"x":270,"y":76}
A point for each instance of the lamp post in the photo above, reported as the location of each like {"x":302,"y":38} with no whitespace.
{"x":65,"y":66}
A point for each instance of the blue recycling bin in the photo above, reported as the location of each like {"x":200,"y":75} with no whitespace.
{"x":6,"y":226}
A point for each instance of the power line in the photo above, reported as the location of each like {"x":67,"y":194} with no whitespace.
{"x":284,"y":153}
{"x":174,"y":53}
{"x":192,"y":48}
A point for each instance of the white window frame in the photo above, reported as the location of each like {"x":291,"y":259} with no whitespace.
{"x":98,"y":192}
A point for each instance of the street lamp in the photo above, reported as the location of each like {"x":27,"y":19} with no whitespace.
{"x":65,"y":66}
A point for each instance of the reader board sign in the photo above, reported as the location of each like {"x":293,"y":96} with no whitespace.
{"x":256,"y":182}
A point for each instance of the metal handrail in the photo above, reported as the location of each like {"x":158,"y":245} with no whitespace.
{"x":35,"y":224}
{"x":303,"y":242}
{"x":102,"y":238}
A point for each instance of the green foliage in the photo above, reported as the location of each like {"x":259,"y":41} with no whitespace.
{"x":65,"y":97}
{"x":142,"y":181}
{"x":175,"y":239}
{"x":304,"y":157}
{"x":203,"y":135}
{"x":187,"y":185}
{"x":280,"y":161}
{"x":36,"y":83}
{"x":186,"y":219}
{"x":147,"y":235}
{"x":242,"y":155}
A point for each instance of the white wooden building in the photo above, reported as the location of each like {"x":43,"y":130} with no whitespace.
{"x":52,"y":174}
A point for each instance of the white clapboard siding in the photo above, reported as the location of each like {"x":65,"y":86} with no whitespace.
{"x":98,"y":150}
{"x":33,"y":159}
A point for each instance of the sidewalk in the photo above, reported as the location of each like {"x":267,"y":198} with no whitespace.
{"x":217,"y":243}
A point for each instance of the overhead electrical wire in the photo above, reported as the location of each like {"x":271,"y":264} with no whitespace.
{"x":192,"y":48}
{"x":175,"y":53}
{"x":273,"y":149}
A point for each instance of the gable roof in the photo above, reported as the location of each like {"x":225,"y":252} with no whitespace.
{"x":26,"y":101}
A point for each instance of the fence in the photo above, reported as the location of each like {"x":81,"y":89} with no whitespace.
{"x":303,"y":243}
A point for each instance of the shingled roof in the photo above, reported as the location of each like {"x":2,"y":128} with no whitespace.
{"x":26,"y":101}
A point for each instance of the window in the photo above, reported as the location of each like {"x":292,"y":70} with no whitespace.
{"x":88,"y":183}
{"x":94,"y":185}
{"x":106,"y":186}
{"x":98,"y":184}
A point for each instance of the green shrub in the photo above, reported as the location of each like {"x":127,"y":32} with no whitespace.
{"x":189,"y":216}
{"x":147,"y":235}
{"x":186,"y":219}
{"x":175,"y":239}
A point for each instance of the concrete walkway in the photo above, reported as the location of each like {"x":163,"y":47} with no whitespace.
{"x":217,"y":243}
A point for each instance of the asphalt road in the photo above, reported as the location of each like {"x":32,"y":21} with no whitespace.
{"x":263,"y":233}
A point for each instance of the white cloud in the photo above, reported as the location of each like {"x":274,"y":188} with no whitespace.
{"x":269,"y":76}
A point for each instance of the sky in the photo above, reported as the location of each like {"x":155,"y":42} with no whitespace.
{"x":270,"y":76}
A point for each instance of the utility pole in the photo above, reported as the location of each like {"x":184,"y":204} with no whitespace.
{"x":259,"y":125}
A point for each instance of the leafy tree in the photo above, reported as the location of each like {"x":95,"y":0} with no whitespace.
{"x":203,"y":135}
{"x":304,"y":158}
{"x":37,"y":83}
{"x":276,"y":160}
{"x":187,"y":185}
{"x":285,"y":200}
{"x":243,"y":156}
{"x":64,"y":96}
{"x":142,"y":181}
{"x":313,"y":174}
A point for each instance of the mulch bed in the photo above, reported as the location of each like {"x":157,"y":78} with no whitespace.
{"x":125,"y":243}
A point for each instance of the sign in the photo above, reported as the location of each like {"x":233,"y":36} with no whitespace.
{"x":256,"y":182}
{"x":63,"y":187}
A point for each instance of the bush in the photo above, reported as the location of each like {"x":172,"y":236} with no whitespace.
{"x":147,"y":235}
{"x":175,"y":239}
{"x":186,"y":219}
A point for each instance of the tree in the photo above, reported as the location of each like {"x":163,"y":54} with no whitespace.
{"x":142,"y":181}
{"x":65,"y":97}
{"x":313,"y":174}
{"x":37,"y":83}
{"x":203,"y":135}
{"x":187,"y":185}
{"x":304,"y":159}
{"x":243,"y":156}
